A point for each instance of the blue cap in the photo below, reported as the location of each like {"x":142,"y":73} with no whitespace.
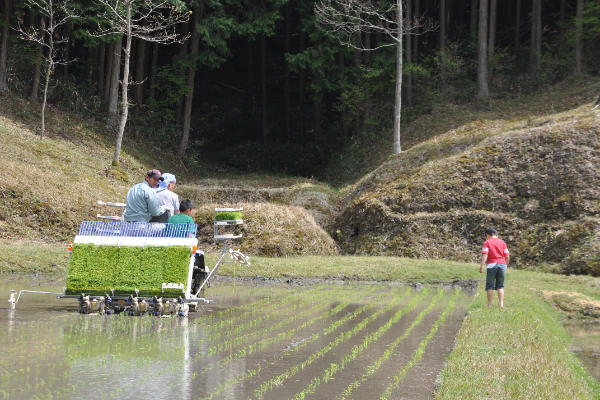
{"x":167,"y":178}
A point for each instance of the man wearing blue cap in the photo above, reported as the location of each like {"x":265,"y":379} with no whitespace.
{"x":142,"y":203}
{"x":166,"y":197}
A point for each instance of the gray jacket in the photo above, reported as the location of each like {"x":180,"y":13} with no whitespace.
{"x":142,"y":204}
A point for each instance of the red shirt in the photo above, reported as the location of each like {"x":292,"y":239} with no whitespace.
{"x":496,"y":250}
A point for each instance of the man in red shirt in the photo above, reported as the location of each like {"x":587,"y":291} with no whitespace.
{"x":496,"y":257}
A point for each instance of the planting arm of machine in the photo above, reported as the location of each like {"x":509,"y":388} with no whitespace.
{"x":223,"y":238}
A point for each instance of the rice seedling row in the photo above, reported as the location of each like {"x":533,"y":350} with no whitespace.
{"x":331,"y":328}
{"x":260,"y":309}
{"x":418,"y":354}
{"x":343,"y":337}
{"x":370,"y":370}
{"x":265,"y":342}
{"x":266,"y":316}
{"x":254,"y":305}
{"x":228,"y":344}
{"x":358,"y":349}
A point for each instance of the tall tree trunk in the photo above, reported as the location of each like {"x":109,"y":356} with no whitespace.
{"x":49,"y":69}
{"x":533,"y":46}
{"x":449,"y":16}
{"x":194,"y":45}
{"x":538,"y":43}
{"x":367,"y":46}
{"x":263,"y":87}
{"x":518,"y":33}
{"x":563,"y":11}
{"x":415,"y":37}
{"x":473,"y":15}
{"x":535,"y":52}
{"x":287,"y":48}
{"x":90,"y":64}
{"x":367,"y":99}
{"x":96,"y":56}
{"x":377,"y":37}
{"x":302,"y":92}
{"x":132,"y":60}
{"x":125,"y":89}
{"x":318,"y":105}
{"x":4,"y":50}
{"x":249,"y":76}
{"x":318,"y":98}
{"x":492,"y":37}
{"x":101,"y":62}
{"x":357,"y":53}
{"x":578,"y":37}
{"x":443,"y":44}
{"x":113,"y":97}
{"x":409,"y":89}
{"x":462,"y":14}
{"x":68,"y":33}
{"x":185,"y":29}
{"x":428,"y":35}
{"x":343,"y":108}
{"x":109,"y":70}
{"x":139,"y":71}
{"x":397,"y":147}
{"x":482,"y":61}
{"x":153,"y":69}
{"x":35,"y":84}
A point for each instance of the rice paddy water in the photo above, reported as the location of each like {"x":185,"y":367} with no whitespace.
{"x":334,"y":341}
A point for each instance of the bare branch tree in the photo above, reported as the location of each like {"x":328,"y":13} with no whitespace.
{"x":149,"y":20}
{"x":56,"y":14}
{"x":346,"y":20}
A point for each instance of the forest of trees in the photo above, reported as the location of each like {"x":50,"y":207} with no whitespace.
{"x":265,"y":76}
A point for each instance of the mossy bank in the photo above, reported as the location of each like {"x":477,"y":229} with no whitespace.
{"x":538,"y":185}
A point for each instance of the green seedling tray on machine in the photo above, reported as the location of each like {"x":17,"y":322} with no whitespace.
{"x":118,"y":258}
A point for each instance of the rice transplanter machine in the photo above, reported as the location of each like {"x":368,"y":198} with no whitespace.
{"x":141,"y":268}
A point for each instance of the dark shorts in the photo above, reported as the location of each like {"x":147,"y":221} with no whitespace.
{"x":495,"y":277}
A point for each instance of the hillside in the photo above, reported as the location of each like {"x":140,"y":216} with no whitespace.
{"x":533,"y":176}
{"x":51,"y":185}
{"x":528,"y":165}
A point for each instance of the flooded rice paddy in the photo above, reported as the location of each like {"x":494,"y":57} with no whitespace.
{"x":586,"y":344}
{"x":338,"y":341}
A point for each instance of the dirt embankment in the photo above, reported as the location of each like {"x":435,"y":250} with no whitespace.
{"x":269,"y":230}
{"x":537,"y":184}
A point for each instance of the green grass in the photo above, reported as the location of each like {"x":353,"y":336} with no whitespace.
{"x":363,"y":267}
{"x":32,"y":258}
{"x":515,"y":353}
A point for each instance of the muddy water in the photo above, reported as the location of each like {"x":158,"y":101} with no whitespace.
{"x":271,"y":342}
{"x":586,"y":345}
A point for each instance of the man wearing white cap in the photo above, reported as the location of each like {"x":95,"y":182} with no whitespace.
{"x":142,"y":203}
{"x":166,"y":197}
